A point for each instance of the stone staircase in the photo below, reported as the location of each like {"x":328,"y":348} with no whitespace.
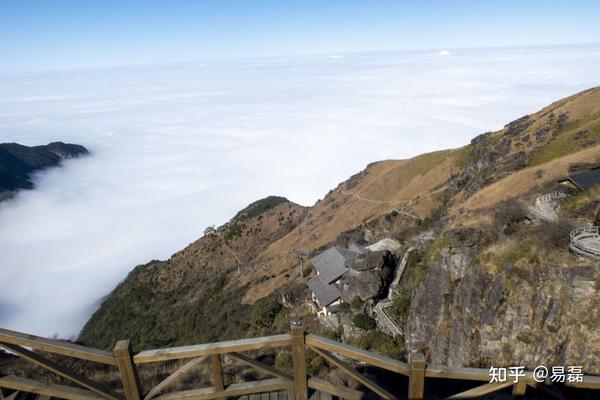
{"x":381,"y":316}
{"x":546,"y":206}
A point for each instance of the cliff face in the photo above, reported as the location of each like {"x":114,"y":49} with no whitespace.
{"x":488,"y":285}
{"x":18,"y":162}
{"x":464,"y":314}
{"x":501,"y":289}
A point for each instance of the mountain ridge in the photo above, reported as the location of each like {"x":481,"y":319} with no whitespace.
{"x":19,"y":162}
{"x":471,"y":288}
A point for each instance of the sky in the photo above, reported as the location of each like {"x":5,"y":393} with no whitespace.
{"x":59,"y":34}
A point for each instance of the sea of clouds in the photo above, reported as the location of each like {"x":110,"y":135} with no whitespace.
{"x":176,"y":148}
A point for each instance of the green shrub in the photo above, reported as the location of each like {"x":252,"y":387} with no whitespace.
{"x":334,"y":334}
{"x":509,"y":216}
{"x":284,"y":362}
{"x":399,"y":308}
{"x":555,"y":235}
{"x":234,"y":230}
{"x":356,"y":303}
{"x":364,"y":322}
{"x":259,"y":207}
{"x":265,"y":311}
{"x":381,"y":343}
{"x":345,"y":308}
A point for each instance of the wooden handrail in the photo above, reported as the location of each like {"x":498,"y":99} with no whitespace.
{"x":589,"y":382}
{"x":45,"y":389}
{"x":177,"y":353}
{"x":233,"y":390}
{"x":59,"y":370}
{"x":340,"y":391}
{"x":57,"y":347}
{"x":127,"y":370}
{"x":298,"y":384}
{"x":174,"y":377}
{"x":357,"y":354}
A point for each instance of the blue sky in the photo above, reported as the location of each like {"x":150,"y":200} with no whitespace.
{"x":41,"y":35}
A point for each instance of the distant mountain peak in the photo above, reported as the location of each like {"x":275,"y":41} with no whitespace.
{"x":18,"y":162}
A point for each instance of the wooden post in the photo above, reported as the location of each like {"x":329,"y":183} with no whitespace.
{"x":519,"y":389}
{"x":416,"y":379}
{"x":216,"y":372}
{"x":299,"y":359}
{"x":127,"y":370}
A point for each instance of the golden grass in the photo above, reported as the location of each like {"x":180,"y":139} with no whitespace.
{"x":521,"y":182}
{"x":414,"y":182}
{"x":566,"y":143}
{"x":579,"y":199}
{"x":386,"y":185}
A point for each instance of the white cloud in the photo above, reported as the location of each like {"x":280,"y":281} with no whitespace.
{"x":443,"y":53}
{"x":178,"y":148}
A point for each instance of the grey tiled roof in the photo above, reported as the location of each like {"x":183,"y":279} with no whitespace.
{"x":332,"y":263}
{"x":325,"y":293}
{"x":586,"y":179}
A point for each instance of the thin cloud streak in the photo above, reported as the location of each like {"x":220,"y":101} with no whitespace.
{"x":176,"y":148}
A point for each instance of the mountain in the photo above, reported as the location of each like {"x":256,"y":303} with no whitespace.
{"x":18,"y":163}
{"x":486,"y":283}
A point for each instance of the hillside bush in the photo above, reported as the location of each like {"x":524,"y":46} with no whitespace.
{"x":364,"y":322}
{"x":400,"y":306}
{"x":555,"y":235}
{"x":509,"y":215}
{"x":381,"y":343}
{"x":265,"y":311}
{"x":356,"y":303}
{"x":259,"y":207}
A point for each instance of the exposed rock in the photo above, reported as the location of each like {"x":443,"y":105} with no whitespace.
{"x":515,"y":161}
{"x":516,"y":127}
{"x":359,"y":264}
{"x":581,"y":134}
{"x":377,"y":259}
{"x":542,"y":133}
{"x":563,"y":119}
{"x":367,"y":276}
{"x":467,"y":316}
{"x":364,"y":284}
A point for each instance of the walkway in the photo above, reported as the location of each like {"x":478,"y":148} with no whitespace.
{"x":546,"y":206}
{"x":585,"y":241}
{"x":381,"y":315}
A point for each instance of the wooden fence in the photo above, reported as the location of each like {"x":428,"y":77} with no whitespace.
{"x":295,"y":386}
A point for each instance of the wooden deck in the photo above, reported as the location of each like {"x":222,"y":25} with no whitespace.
{"x":279,"y":386}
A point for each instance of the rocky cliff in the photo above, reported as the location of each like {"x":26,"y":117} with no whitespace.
{"x":465,"y":314}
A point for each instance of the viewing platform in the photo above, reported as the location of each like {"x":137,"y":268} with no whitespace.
{"x":412,"y":376}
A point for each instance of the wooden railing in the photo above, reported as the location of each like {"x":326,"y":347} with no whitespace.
{"x":296,"y":386}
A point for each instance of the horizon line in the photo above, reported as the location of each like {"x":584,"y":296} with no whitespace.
{"x":26,"y":72}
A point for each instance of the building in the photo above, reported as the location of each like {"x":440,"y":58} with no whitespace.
{"x":331,"y":265}
{"x":210,"y":230}
{"x":384,"y":244}
{"x":583,"y":180}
